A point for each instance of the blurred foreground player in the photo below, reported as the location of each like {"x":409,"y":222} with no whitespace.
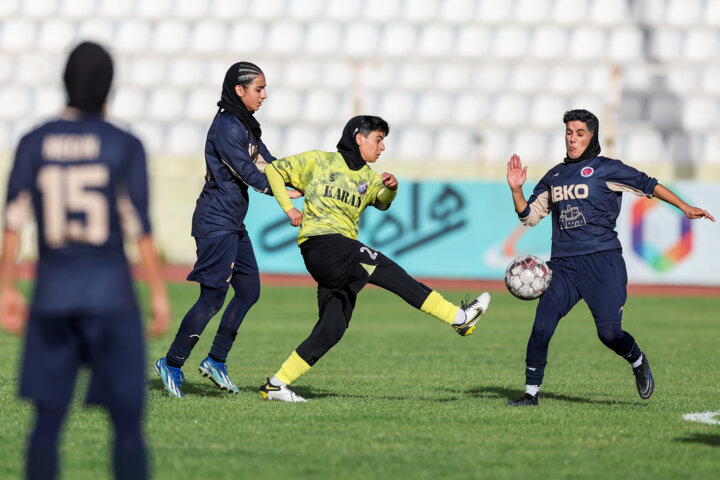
{"x":86,"y":182}
{"x":584,"y":194}
{"x":338,"y":187}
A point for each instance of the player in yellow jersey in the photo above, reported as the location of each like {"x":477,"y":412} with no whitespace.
{"x":338,"y":186}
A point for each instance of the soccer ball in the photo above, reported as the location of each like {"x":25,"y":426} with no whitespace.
{"x":527,"y":277}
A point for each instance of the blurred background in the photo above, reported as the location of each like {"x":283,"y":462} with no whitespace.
{"x":463,"y":83}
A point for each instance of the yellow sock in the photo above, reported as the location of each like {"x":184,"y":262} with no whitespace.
{"x":293,"y":368}
{"x":438,"y":307}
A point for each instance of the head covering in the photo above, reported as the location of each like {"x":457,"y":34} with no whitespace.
{"x":230,"y":101}
{"x":88,"y":75}
{"x":593,"y":148}
{"x":348,"y":147}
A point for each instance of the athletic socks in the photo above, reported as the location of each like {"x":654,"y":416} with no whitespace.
{"x":222,"y":344}
{"x":440,"y":308}
{"x":637,"y":362}
{"x":293,"y":368}
{"x":532,"y":390}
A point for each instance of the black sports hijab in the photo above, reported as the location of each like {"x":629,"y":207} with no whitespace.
{"x":88,"y":75}
{"x":593,"y":148}
{"x":348,"y":147}
{"x":230,"y":101}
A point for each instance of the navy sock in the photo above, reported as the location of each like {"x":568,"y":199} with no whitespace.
{"x":210,"y":302}
{"x":222,"y":344}
{"x":534,"y":374}
{"x":633,"y":355}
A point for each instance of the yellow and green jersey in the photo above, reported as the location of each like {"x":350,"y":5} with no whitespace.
{"x":335,"y":195}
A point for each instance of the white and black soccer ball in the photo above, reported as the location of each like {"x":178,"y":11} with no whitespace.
{"x":527,"y":277}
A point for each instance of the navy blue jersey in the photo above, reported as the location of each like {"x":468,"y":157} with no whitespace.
{"x":223,"y":202}
{"x":585,"y":198}
{"x":86,"y":181}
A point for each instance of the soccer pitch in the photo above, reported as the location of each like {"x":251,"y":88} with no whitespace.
{"x":403,"y":396}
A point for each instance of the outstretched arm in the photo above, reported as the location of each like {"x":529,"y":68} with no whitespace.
{"x":13,"y":309}
{"x":665,"y":194}
{"x":516,"y":175}
{"x":387,"y":194}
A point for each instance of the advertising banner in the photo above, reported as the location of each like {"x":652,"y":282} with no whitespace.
{"x":469,"y":230}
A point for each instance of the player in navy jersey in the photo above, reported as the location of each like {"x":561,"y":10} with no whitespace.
{"x":584,"y":195}
{"x":235,"y":159}
{"x":86,"y":182}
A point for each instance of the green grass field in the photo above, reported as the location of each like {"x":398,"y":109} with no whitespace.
{"x":403,"y":396}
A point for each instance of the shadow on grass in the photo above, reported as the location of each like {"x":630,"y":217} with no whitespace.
{"x":712,"y":440}
{"x":512,"y":394}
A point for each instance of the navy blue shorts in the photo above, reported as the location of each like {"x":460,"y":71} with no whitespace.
{"x":218,"y":258}
{"x":599,"y":278}
{"x":110,"y":344}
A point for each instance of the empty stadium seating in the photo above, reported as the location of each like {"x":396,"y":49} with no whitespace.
{"x":459,"y":80}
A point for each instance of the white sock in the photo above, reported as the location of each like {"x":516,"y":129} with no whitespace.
{"x":532,"y":390}
{"x":638,"y":362}
{"x":276,"y":382}
{"x":460,"y":317}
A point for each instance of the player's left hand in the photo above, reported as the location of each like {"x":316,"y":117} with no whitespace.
{"x":13,"y":310}
{"x":695,"y":212}
{"x":389,"y":181}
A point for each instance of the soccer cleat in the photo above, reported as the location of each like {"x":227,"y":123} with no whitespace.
{"x":172,"y":377}
{"x":217,"y":372}
{"x":644,"y":379}
{"x":282,"y":392}
{"x":473,"y":311}
{"x":526,"y":400}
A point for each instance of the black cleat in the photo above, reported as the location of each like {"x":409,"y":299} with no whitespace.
{"x":526,"y":400}
{"x":644,"y":379}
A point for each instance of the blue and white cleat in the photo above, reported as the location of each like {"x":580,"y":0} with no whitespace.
{"x":217,"y":372}
{"x":172,"y":377}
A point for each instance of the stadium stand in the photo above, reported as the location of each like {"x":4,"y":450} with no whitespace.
{"x":461,"y":81}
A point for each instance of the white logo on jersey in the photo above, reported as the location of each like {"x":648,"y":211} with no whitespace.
{"x":587,"y":171}
{"x":569,"y":192}
{"x":571,"y":217}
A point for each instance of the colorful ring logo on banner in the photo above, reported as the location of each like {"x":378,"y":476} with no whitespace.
{"x":660,"y":261}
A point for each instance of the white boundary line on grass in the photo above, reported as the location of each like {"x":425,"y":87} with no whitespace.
{"x":704,"y":417}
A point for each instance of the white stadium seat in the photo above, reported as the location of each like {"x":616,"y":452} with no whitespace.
{"x":170,"y":36}
{"x":397,"y":106}
{"x":566,"y":79}
{"x":8,"y":8}
{"x":224,"y":9}
{"x":414,"y":75}
{"x":682,"y":81}
{"x":344,"y":9}
{"x":283,"y":106}
{"x":701,"y":44}
{"x":700,"y":114}
{"x":266,"y":10}
{"x":398,"y":39}
{"x":165,"y":104}
{"x":208,"y":37}
{"x":710,"y":80}
{"x":322,"y":37}
{"x":570,"y":12}
{"x":202,"y":105}
{"x":494,"y":12}
{"x":191,"y":9}
{"x":456,"y":11}
{"x":683,"y":12}
{"x":48,"y":103}
{"x":186,"y":72}
{"x":549,"y":42}
{"x":127,"y":104}
{"x":641,"y":146}
{"x":508,"y":111}
{"x":510,"y":42}
{"x":301,"y":74}
{"x":436,"y":41}
{"x":17,"y":35}
{"x":100,"y":30}
{"x":434,"y":108}
{"x":147,"y":72}
{"x":609,"y":12}
{"x":77,"y":8}
{"x":587,"y":43}
{"x":284,"y":37}
{"x":247,"y":35}
{"x":532,"y":11}
{"x":528,"y":78}
{"x":156,"y":9}
{"x":531,"y":146}
{"x":321,"y":106}
{"x":453,"y":76}
{"x":16,"y":101}
{"x":666,"y":44}
{"x":473,"y":41}
{"x":56,"y":35}
{"x":38,"y":8}
{"x":665,"y":112}
{"x":625,"y":43}
{"x":710,"y":149}
{"x":132,"y":36}
{"x":420,"y":10}
{"x":300,"y":138}
{"x":413,"y":143}
{"x":711,"y":15}
{"x":382,"y":10}
{"x":185,"y":139}
{"x":360,"y":38}
{"x":305,"y":10}
{"x":492,"y":77}
{"x":114,"y":9}
{"x":453,"y":144}
{"x":337,"y":73}
{"x":599,"y":79}
{"x":546,"y":111}
{"x":152,"y":135}
{"x":470,"y":110}
{"x":495,"y":146}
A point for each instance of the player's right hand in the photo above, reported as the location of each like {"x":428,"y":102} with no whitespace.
{"x":516,"y":173}
{"x":160,"y":306}
{"x":13,"y":310}
{"x":295,"y":217}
